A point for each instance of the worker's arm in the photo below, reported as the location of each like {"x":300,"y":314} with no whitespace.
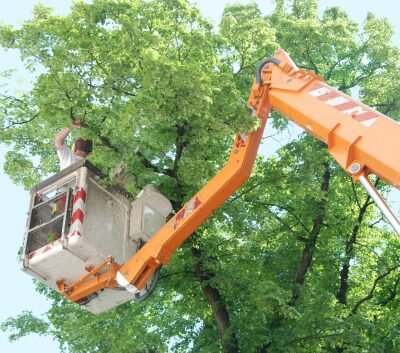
{"x":60,"y":138}
{"x":62,"y":135}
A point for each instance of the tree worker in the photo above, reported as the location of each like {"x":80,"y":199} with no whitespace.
{"x":79,"y":150}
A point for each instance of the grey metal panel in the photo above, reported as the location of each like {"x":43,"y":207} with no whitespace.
{"x":67,"y":171}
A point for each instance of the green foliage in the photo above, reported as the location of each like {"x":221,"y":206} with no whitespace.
{"x":25,"y":324}
{"x":298,"y":260}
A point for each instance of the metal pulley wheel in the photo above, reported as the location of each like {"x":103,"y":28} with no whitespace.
{"x":149,"y":287}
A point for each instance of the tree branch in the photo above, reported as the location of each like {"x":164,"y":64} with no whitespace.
{"x":13,"y":98}
{"x":20,"y":122}
{"x":392,"y":294}
{"x":370,"y":295}
{"x":147,"y":164}
{"x":312,"y":337}
{"x":287,"y":209}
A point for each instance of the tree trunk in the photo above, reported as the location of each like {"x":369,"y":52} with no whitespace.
{"x":345,"y":271}
{"x":309,"y":248}
{"x":218,"y":307}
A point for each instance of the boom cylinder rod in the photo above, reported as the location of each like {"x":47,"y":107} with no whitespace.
{"x":380,"y":202}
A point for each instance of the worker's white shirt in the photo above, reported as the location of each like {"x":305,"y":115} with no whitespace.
{"x":67,"y":157}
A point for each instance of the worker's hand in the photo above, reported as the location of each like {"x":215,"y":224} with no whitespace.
{"x":77,"y":123}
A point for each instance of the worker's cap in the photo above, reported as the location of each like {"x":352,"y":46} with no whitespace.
{"x":82,"y":145}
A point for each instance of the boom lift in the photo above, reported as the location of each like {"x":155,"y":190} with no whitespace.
{"x":362,"y":140}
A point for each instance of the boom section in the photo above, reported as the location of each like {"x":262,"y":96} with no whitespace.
{"x":362,"y":140}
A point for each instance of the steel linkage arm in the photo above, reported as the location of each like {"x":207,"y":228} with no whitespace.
{"x":96,"y":279}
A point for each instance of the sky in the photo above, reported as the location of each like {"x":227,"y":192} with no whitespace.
{"x":18,"y":292}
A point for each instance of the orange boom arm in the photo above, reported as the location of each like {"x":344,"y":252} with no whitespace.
{"x":362,"y":140}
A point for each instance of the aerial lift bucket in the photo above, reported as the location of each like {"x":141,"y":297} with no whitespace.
{"x":74,"y":224}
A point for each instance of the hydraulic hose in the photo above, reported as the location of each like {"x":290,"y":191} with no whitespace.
{"x":261,"y":65}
